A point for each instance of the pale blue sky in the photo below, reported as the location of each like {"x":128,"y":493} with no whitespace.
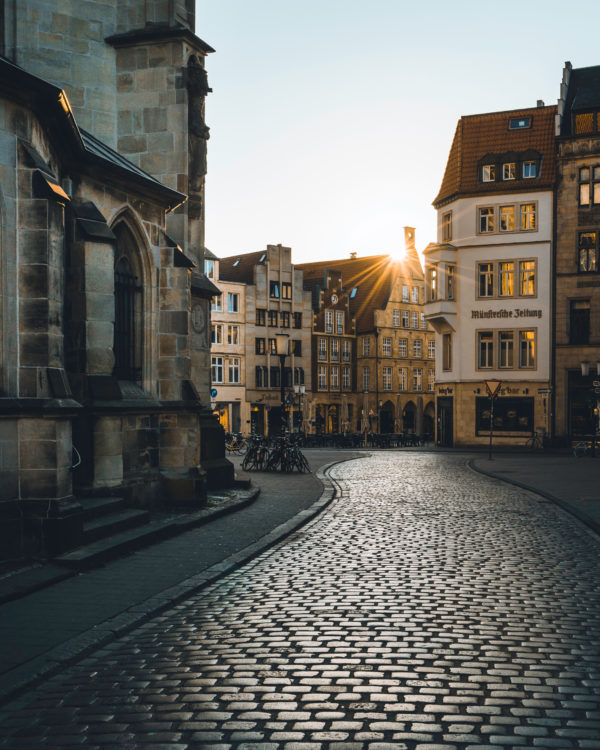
{"x":331,"y":120}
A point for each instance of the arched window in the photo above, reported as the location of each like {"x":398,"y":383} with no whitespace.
{"x":128,"y":309}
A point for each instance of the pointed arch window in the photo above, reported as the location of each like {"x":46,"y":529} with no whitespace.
{"x":128,"y":309}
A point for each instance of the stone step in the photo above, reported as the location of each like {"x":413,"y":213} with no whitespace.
{"x":105,"y":526}
{"x":95,"y":507}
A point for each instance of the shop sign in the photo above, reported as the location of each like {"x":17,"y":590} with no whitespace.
{"x":518,"y":312}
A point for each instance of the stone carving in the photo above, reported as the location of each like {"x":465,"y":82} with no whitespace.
{"x":199,"y":132}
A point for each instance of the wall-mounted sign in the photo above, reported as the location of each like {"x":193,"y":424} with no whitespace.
{"x":213,"y":392}
{"x":518,"y":312}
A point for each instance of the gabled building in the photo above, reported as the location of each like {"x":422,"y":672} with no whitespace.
{"x":379,"y":302}
{"x":577,"y":253}
{"x":489,"y":277}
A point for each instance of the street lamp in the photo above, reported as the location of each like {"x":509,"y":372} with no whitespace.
{"x":300,"y":390}
{"x":282,"y":342}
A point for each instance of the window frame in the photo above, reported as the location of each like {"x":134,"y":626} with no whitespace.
{"x":486,"y":219}
{"x":485,"y":351}
{"x":261,"y":316}
{"x":274,"y":289}
{"x":233,"y":332}
{"x":591,"y":253}
{"x":234,"y":370}
{"x":492,"y":278}
{"x":447,"y":226}
{"x":386,"y":346}
{"x":387,"y":378}
{"x":509,"y":168}
{"x":216,"y":328}
{"x":286,"y":290}
{"x":216,"y":363}
{"x":233,"y":301}
{"x":260,"y":345}
{"x":488,"y":172}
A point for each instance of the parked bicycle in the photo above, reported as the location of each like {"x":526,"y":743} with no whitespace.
{"x":235,"y":442}
{"x":536,"y":441}
{"x":584,"y":448}
{"x":281,"y":454}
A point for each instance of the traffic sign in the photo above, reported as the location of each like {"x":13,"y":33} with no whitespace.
{"x":492,"y":387}
{"x":213,"y":392}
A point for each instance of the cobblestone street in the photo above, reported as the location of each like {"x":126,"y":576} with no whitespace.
{"x":427,"y":607}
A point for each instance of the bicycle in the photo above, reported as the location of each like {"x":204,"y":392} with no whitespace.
{"x":235,"y":443}
{"x":535,"y":442}
{"x":584,"y":448}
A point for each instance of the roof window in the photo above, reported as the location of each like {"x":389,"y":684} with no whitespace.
{"x":518,"y":123}
{"x":353,"y":292}
{"x":262,"y":258}
{"x":236,"y":262}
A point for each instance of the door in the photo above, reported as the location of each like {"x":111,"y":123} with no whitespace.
{"x":445,"y":427}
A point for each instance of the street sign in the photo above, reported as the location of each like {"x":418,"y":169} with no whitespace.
{"x":213,"y":392}
{"x":492,"y":387}
{"x":544,"y":391}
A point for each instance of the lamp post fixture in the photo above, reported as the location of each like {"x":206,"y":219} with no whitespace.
{"x":283,"y":347}
{"x":593,"y":402}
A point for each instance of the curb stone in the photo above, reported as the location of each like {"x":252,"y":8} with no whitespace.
{"x":35,"y":671}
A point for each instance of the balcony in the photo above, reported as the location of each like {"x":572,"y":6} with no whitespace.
{"x":442,"y":314}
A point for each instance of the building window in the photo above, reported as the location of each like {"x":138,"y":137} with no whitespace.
{"x":430,"y":380}
{"x":447,"y":351}
{"x":418,"y":348}
{"x":260,"y":376}
{"x":527,"y":349}
{"x":402,"y":378}
{"x":506,"y":349}
{"x":488,"y":172}
{"x":387,"y":378}
{"x":298,"y":376}
{"x":285,"y":319}
{"x":272,"y":315}
{"x":450,"y":271}
{"x":216,"y":374}
{"x":259,"y":346}
{"x":431,"y":349}
{"x":507,"y":218}
{"x":335,"y":350}
{"x":346,"y":350}
{"x":387,"y":346}
{"x":328,"y":321}
{"x":589,"y":186}
{"x":405,"y":293}
{"x":322,"y":349}
{"x":485,"y":272}
{"x":506,"y":278}
{"x":261,"y":316}
{"x":529,"y":170}
{"x":588,"y":252}
{"x":234,"y":370}
{"x":415,"y":294}
{"x":586,"y":122}
{"x":403,"y":347}
{"x":528,"y":216}
{"x":275,"y":377}
{"x":447,"y":227}
{"x":233,"y":335}
{"x":516,"y":123}
{"x":233,"y":302}
{"x":365,"y":378}
{"x":297,"y":320}
{"x":432,"y":284}
{"x":297,"y":347}
{"x":334,"y":374}
{"x":274,"y":289}
{"x":128,"y":327}
{"x":486,"y":219}
{"x":415,"y":319}
{"x":339,"y":322}
{"x":417,"y":379}
{"x":322,"y":378}
{"x":526,"y":278}
{"x":217,"y":334}
{"x":346,"y":381}
{"x":485,"y":350}
{"x":366,"y":346}
{"x":216,"y":304}
{"x":405,"y":319}
{"x":286,"y":290}
{"x":423,"y":321}
{"x":510,"y":415}
{"x":579,"y":322}
{"x":272,"y":346}
{"x":509,"y":170}
{"x":209,"y":269}
{"x":396,"y":318}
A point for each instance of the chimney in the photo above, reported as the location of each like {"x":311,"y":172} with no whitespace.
{"x":409,"y":238}
{"x":353,"y":255}
{"x":540,"y":103}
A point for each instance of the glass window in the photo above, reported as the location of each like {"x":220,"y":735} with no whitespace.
{"x":216,"y":304}
{"x":431,"y":349}
{"x":387,"y":378}
{"x":339,"y":322}
{"x":417,"y":379}
{"x":297,"y":347}
{"x":328,"y":321}
{"x":433,"y":284}
{"x":507,"y":218}
{"x":516,"y":123}
{"x":405,"y":293}
{"x":588,"y":252}
{"x":261,"y":316}
{"x":485,"y":349}
{"x":365,"y":378}
{"x":402,"y":378}
{"x":274,"y":289}
{"x":286,"y":290}
{"x":447,"y":351}
{"x":509,"y":170}
{"x":209,"y":269}
{"x":322,"y":377}
{"x":272,"y":314}
{"x":415,"y":294}
{"x":506,"y":278}
{"x":334,"y":373}
{"x":297,"y":320}
{"x":322,"y":348}
{"x":396,"y":318}
{"x":233,"y":301}
{"x":486,"y":279}
{"x":579,"y":322}
{"x":529,"y":169}
{"x":510,"y":415}
{"x":486,"y":219}
{"x":447,"y":227}
{"x":233,"y":335}
{"x":346,"y":350}
{"x":526,"y":277}
{"x":260,"y":376}
{"x":346,"y":380}
{"x":387,"y":346}
{"x":366,"y":346}
{"x":415,"y":319}
{"x":488,"y":172}
{"x":259,"y":346}
{"x":216,"y":374}
{"x":405,"y":319}
{"x":234,"y":370}
{"x":528,"y":216}
{"x":417,"y":348}
{"x":217,"y":334}
{"x":285,"y":319}
{"x":430,"y":380}
{"x":403,"y":347}
{"x":423,"y":321}
{"x":272,"y":346}
{"x":506,"y":348}
{"x":335,"y":350}
{"x":527,"y":349}
{"x":450,"y":271}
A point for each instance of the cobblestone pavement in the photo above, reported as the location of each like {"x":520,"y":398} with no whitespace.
{"x":428,"y":607}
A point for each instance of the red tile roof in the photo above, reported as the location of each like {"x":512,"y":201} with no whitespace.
{"x":479,"y":135}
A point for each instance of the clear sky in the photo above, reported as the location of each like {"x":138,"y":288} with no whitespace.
{"x":331,"y":120}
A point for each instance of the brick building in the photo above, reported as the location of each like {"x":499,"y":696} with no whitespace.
{"x":104,"y":341}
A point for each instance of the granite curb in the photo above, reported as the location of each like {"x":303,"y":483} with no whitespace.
{"x":564,"y":504}
{"x":18,"y":680}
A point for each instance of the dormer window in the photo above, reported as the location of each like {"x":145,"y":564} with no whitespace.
{"x":353,"y":292}
{"x":518,"y":123}
{"x":488,"y":172}
{"x":209,"y":269}
{"x":509,"y":170}
{"x":529,"y":169}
